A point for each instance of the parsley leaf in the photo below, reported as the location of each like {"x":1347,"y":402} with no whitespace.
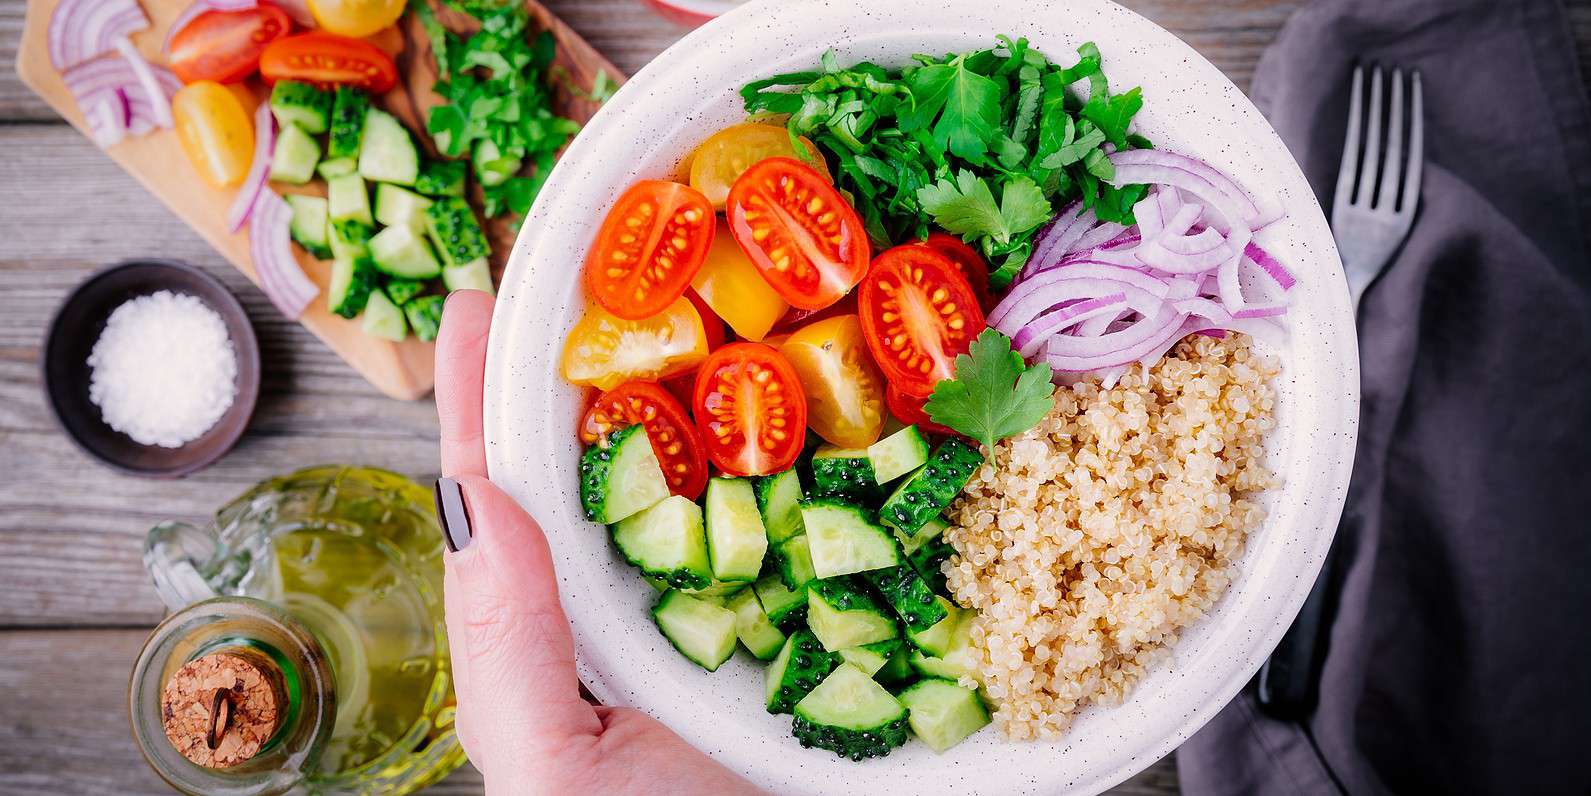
{"x":967,"y":207}
{"x":995,"y":394}
{"x":966,"y":104}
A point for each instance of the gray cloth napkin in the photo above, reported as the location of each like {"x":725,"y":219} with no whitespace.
{"x":1460,"y":653}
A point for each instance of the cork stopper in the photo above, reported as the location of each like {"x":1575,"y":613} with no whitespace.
{"x":220,"y":709}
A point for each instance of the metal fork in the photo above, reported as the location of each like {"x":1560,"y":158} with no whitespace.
{"x":1370,"y":218}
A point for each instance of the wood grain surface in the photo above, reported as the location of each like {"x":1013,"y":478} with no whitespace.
{"x":75,"y":603}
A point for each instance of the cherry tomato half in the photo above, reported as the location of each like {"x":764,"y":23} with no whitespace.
{"x":650,"y":246}
{"x":225,"y":46}
{"x":967,"y":259}
{"x":358,"y":18}
{"x":909,"y":409}
{"x":674,"y":438}
{"x":604,"y":350}
{"x":807,"y":241}
{"x":723,"y":157}
{"x":326,"y":59}
{"x":918,"y":313}
{"x":750,"y":409}
{"x":215,"y":131}
{"x":845,"y":393}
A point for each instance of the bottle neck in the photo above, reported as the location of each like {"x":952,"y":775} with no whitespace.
{"x":232,"y":697}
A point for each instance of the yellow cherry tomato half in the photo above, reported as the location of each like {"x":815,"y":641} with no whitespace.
{"x":356,"y":18}
{"x":735,"y":289}
{"x":844,"y":389}
{"x":722,"y":158}
{"x":604,"y":350}
{"x":215,"y":131}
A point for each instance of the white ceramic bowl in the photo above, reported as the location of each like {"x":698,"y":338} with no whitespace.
{"x":689,"y":92}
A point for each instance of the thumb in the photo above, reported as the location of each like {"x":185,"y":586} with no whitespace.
{"x":513,"y":653}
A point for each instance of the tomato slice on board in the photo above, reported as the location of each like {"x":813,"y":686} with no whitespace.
{"x":326,"y":59}
{"x":967,"y":259}
{"x":909,"y":409}
{"x":604,"y":350}
{"x":650,"y":246}
{"x":844,"y":390}
{"x":215,"y":132}
{"x":807,"y":241}
{"x":225,"y":46}
{"x":674,"y":438}
{"x":918,"y":313}
{"x":750,"y":409}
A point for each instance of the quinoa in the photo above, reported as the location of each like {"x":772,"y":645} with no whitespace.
{"x":1088,"y":542}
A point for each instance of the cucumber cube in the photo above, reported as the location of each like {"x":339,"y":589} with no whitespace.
{"x":666,"y":542}
{"x":294,"y":158}
{"x":844,"y":538}
{"x":898,"y":454}
{"x":702,"y":631}
{"x":943,"y":713}
{"x":779,"y":500}
{"x":384,"y":319}
{"x":753,"y":627}
{"x":403,"y":252}
{"x":473,"y":275}
{"x":397,"y":206}
{"x":347,"y":200}
{"x":735,"y":537}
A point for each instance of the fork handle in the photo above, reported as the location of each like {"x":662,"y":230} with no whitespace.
{"x":1288,"y":684}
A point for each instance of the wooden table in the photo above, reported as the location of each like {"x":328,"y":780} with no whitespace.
{"x":74,"y":600}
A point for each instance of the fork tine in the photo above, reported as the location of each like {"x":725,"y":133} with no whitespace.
{"x":1350,"y":144}
{"x":1391,"y":167}
{"x":1411,"y":182}
{"x":1372,"y":162}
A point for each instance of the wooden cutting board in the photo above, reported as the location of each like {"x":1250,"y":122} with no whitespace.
{"x":401,"y":370}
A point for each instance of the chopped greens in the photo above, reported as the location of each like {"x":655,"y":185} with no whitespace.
{"x":994,"y":394}
{"x":985,"y":144}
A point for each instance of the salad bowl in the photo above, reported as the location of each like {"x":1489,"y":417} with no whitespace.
{"x":645,"y":131}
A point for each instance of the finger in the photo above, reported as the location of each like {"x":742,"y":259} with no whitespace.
{"x":505,"y":615}
{"x":460,"y":380}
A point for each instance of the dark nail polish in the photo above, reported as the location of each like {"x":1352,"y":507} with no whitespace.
{"x":453,"y":514}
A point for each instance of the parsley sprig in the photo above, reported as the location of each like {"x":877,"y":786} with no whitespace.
{"x":986,"y":144}
{"x":994,"y":394}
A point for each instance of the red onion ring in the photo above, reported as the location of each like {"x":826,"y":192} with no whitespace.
{"x":83,"y":29}
{"x":264,"y":140}
{"x":271,"y":250}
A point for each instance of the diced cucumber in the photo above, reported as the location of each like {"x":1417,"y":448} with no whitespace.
{"x":845,"y":539}
{"x":843,"y":473}
{"x":927,"y":560}
{"x":898,"y":454}
{"x":753,"y":627}
{"x":842,"y":615}
{"x":943,"y":713}
{"x":666,"y":542}
{"x":718,"y":591}
{"x":425,"y":316}
{"x":794,"y":559}
{"x":397,"y":206}
{"x":906,"y":592}
{"x":403,"y":252}
{"x":455,"y":231}
{"x":850,"y":715}
{"x":801,"y":664}
{"x":350,"y":240}
{"x":348,"y":109}
{"x":441,"y":178}
{"x":294,"y":158}
{"x":332,"y":168}
{"x":402,"y":291}
{"x":473,"y":275}
{"x":347,"y":200}
{"x":926,"y":492}
{"x":779,"y":500}
{"x":492,"y":167}
{"x":352,"y":280}
{"x":898,"y":668}
{"x":309,"y":226}
{"x":302,"y":105}
{"x":735,"y":538}
{"x":622,"y":478}
{"x":930,"y":666}
{"x":870,"y":658}
{"x":784,"y":606}
{"x":959,"y":660}
{"x":383,"y":319}
{"x":937,"y":638}
{"x":386,"y":152}
{"x":702,"y":631}
{"x":933,"y":529}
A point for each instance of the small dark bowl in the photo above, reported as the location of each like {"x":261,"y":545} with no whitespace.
{"x":78,"y":324}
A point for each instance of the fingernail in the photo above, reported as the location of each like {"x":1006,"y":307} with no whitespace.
{"x":453,"y":514}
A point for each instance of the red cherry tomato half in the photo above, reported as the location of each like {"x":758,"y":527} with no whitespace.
{"x":650,"y":246}
{"x":674,"y":439}
{"x":683,"y":386}
{"x":909,"y":409}
{"x":807,"y":241}
{"x":750,"y":409}
{"x":967,"y":259}
{"x":918,"y":313}
{"x":225,"y":46}
{"x":327,"y":59}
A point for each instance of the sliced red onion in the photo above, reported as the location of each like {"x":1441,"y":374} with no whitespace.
{"x":146,"y":78}
{"x":1030,"y":338}
{"x":1270,"y":266}
{"x":1150,"y":220}
{"x":84,"y":29}
{"x":1069,"y":353}
{"x":298,"y":10}
{"x":1062,"y":231}
{"x":1255,"y":216}
{"x":264,"y":141}
{"x":1096,"y":237}
{"x":199,"y":7}
{"x":277,"y":268}
{"x":107,"y":119}
{"x":1216,"y":317}
{"x":112,"y":79}
{"x":1074,"y":281}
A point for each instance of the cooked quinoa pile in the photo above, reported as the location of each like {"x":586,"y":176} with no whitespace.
{"x":1088,"y":542}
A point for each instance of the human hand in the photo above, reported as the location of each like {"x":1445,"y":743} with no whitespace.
{"x":521,"y":718}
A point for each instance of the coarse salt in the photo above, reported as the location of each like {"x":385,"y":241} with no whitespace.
{"x":164,"y":370}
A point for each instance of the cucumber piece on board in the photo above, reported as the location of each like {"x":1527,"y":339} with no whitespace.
{"x":666,"y":542}
{"x":404,"y":253}
{"x":942,"y":713}
{"x":928,"y":491}
{"x":386,"y":151}
{"x":352,"y":280}
{"x":301,"y":105}
{"x":350,"y":240}
{"x":844,"y":538}
{"x":702,"y":631}
{"x":454,"y":229}
{"x":851,"y":716}
{"x":425,"y":316}
{"x":441,"y":178}
{"x":779,"y":500}
{"x":474,"y":275}
{"x":332,"y":168}
{"x":310,"y":226}
{"x":736,"y":540}
{"x":348,"y":200}
{"x":383,"y":319}
{"x":397,"y":206}
{"x":403,"y":291}
{"x":294,"y":156}
{"x":898,"y":454}
{"x":348,"y":109}
{"x":622,"y":478}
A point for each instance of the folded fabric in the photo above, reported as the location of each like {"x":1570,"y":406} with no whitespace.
{"x":1459,"y":658}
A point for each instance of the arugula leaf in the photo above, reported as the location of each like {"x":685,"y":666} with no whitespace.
{"x":994,"y":394}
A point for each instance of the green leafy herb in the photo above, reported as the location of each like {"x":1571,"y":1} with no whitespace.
{"x":994,"y":394}
{"x":966,"y":207}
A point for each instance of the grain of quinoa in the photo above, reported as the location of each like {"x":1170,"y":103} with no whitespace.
{"x":1088,"y":542}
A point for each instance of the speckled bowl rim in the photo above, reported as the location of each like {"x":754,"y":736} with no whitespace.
{"x":689,"y":91}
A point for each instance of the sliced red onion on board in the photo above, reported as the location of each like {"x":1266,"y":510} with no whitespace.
{"x":84,"y":29}
{"x":254,"y":183}
{"x":188,"y":14}
{"x":112,"y":79}
{"x":160,"y":103}
{"x":271,"y":249}
{"x":107,"y":119}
